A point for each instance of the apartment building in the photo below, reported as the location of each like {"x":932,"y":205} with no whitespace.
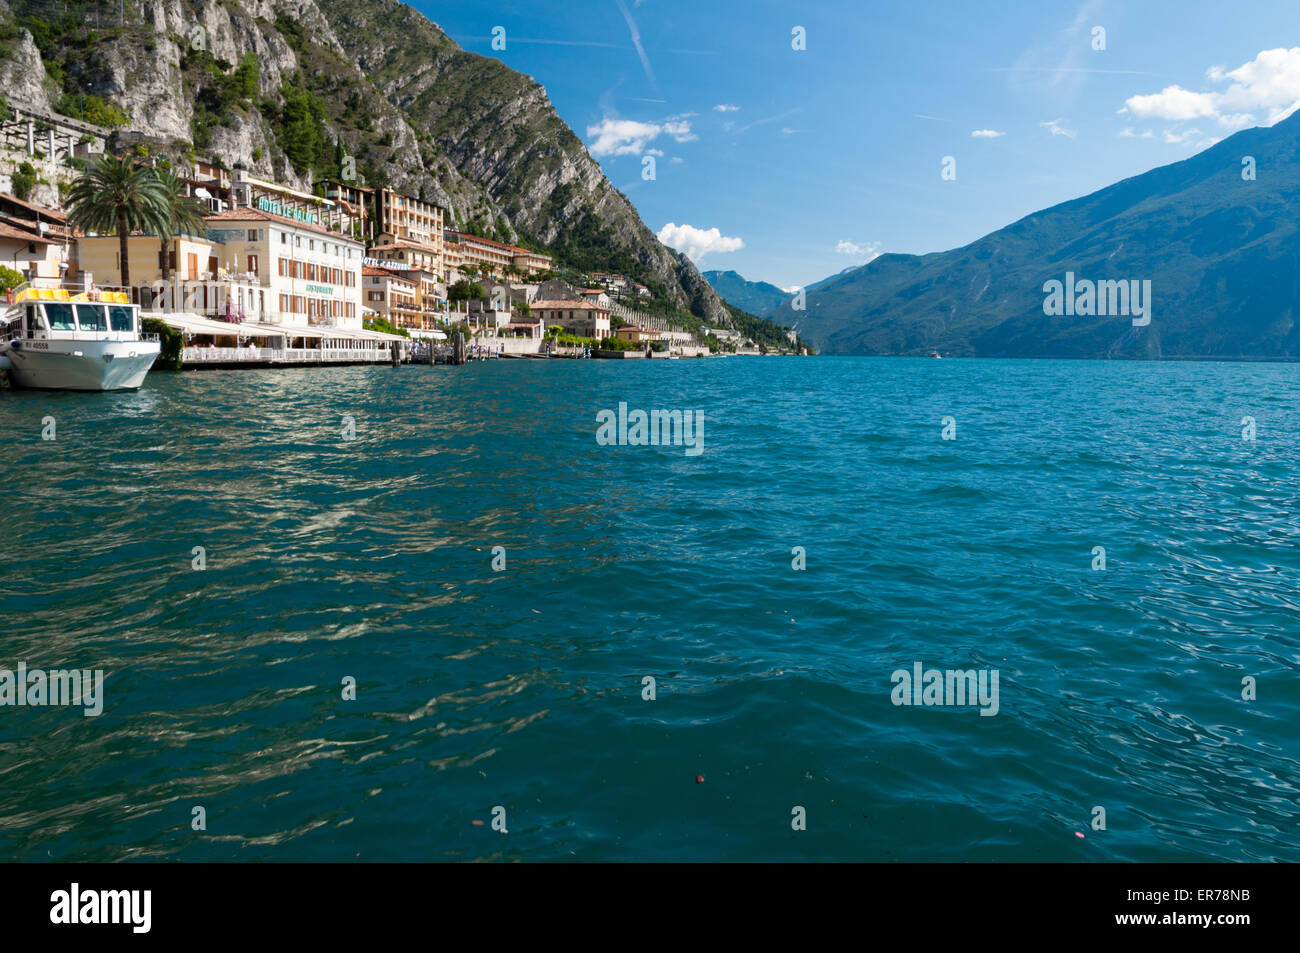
{"x":33,"y":239}
{"x":392,"y":295}
{"x":584,"y":318}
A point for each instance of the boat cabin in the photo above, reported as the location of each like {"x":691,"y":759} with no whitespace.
{"x":43,"y":313}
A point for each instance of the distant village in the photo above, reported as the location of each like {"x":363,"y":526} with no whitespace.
{"x":281,"y":269}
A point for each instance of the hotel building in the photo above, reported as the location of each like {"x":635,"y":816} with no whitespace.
{"x":401,"y":216}
{"x":460,"y":248}
{"x":312,"y":275}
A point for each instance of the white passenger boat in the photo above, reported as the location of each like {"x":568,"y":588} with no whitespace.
{"x":56,"y":339}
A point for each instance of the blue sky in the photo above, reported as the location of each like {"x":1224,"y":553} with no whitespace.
{"x":810,"y":161}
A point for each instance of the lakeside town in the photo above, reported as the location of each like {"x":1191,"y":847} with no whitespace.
{"x":248,"y":272}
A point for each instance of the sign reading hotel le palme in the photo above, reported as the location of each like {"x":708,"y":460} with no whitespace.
{"x":275,"y":208}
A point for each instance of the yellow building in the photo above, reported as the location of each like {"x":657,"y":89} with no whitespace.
{"x":531,"y":262}
{"x":630,"y":332}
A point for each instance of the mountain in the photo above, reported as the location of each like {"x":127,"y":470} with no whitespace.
{"x":296,"y":88}
{"x":1220,"y":250}
{"x":756,"y":297}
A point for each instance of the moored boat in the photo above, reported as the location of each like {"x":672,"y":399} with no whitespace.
{"x":87,"y":340}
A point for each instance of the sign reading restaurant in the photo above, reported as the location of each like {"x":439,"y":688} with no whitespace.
{"x":275,"y":208}
{"x":319,"y":289}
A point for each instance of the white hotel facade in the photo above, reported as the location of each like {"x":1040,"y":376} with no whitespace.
{"x":311,"y":275}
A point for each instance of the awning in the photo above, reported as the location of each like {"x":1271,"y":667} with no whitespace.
{"x":296,"y":331}
{"x":190,"y":323}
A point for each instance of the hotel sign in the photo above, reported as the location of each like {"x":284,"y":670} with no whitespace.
{"x":275,"y":208}
{"x":385,"y":263}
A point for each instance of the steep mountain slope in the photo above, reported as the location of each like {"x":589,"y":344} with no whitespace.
{"x":756,"y":297}
{"x":295,"y":87}
{"x":1221,"y":253}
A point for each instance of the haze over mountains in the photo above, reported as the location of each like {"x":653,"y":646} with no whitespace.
{"x":1220,"y":249}
{"x":756,"y":297}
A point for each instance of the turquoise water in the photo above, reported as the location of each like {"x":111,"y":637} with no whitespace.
{"x":371,"y":558}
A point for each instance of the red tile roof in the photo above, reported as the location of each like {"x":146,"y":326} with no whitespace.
{"x":9,"y":231}
{"x":40,"y":210}
{"x":369,"y":271}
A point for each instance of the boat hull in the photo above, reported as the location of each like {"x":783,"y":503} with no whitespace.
{"x":80,"y":365}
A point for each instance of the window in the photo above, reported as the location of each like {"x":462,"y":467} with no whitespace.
{"x":34,"y":321}
{"x":120,"y":318}
{"x":284,"y":238}
{"x":311,"y":244}
{"x":60,"y":317}
{"x":91,"y":317}
{"x":254,"y":234}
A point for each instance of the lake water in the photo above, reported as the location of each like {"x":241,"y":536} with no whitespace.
{"x":523,"y":688}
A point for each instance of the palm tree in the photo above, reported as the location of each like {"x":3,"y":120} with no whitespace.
{"x":118,"y":196}
{"x":184,"y":214}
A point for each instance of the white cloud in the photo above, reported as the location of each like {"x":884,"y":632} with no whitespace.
{"x":1268,"y":84}
{"x":725,"y":108}
{"x":1177,"y":139}
{"x":986,"y":134}
{"x":680,"y":130}
{"x":792,"y":289}
{"x":869,"y":251}
{"x":697,"y":242}
{"x":786,"y":131}
{"x":1127,"y":133}
{"x":654,"y":152}
{"x":623,"y":137}
{"x":677,"y":160}
{"x":1055,"y":128}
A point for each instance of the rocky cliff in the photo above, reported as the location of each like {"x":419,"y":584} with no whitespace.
{"x":296,"y":88}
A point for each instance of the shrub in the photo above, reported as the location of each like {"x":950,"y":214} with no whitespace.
{"x":9,"y":279}
{"x":173,"y":341}
{"x":24,"y":180}
{"x":92,"y":109}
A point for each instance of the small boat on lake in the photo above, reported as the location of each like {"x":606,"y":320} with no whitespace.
{"x":54,"y":338}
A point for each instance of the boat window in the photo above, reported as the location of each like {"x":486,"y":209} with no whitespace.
{"x":120,"y":318}
{"x":91,"y":317}
{"x":34,"y":321}
{"x":60,"y":317}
